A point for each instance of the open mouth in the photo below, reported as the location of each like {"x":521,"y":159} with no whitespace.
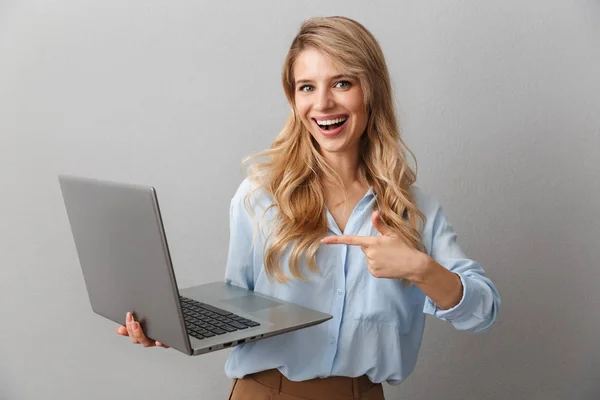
{"x":331,"y":124}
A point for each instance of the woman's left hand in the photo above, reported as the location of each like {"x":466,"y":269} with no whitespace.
{"x":389,"y":255}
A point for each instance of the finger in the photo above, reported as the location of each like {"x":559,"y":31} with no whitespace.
{"x":161,"y":345}
{"x":368,"y":251}
{"x":121,"y":330}
{"x":139,"y":335}
{"x":363,"y":241}
{"x":379,"y":224}
{"x":374,"y":271}
{"x":129,"y":325}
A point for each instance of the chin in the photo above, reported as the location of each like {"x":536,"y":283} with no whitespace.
{"x":331,"y":148}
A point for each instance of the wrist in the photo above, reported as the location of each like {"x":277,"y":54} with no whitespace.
{"x":441,"y":285}
{"x":424,"y":268}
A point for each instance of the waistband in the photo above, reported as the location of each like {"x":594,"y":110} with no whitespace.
{"x":318,"y":388}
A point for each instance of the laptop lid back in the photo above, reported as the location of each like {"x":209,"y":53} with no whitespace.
{"x":124,"y":256}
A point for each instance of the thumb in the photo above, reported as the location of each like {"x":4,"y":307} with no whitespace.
{"x":380,"y":225}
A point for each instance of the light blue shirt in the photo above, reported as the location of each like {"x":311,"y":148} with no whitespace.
{"x":377,"y":324}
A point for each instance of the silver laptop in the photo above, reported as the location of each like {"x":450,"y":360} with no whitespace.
{"x":124,"y":256}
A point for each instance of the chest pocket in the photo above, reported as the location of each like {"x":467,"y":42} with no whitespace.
{"x":383,"y":301}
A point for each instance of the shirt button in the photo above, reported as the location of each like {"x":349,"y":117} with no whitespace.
{"x":339,"y":291}
{"x":332,"y":340}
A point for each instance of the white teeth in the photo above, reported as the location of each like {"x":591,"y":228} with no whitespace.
{"x":331,"y":121}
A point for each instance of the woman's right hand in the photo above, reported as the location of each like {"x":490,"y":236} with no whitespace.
{"x":134,"y":330}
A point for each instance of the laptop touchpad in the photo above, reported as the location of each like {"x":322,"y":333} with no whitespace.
{"x":252,"y":303}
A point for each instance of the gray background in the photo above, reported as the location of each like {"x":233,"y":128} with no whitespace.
{"x":499,"y":99}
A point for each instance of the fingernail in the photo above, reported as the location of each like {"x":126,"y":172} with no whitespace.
{"x":135,"y":326}
{"x":128,"y":317}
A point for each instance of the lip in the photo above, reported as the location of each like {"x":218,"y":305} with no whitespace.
{"x":332,"y":116}
{"x":331,"y":132}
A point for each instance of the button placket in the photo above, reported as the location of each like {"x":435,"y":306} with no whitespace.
{"x":340,"y":274}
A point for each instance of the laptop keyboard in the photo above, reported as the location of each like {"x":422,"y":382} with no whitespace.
{"x":204,"y":321}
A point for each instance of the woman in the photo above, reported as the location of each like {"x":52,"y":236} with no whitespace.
{"x":331,"y":220}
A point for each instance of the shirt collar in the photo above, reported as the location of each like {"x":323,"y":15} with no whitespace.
{"x":371,"y":192}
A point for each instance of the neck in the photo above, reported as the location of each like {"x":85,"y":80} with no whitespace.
{"x":346,"y":166}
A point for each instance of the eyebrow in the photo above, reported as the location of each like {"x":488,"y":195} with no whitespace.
{"x":304,"y":81}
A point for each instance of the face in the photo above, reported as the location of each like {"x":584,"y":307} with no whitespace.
{"x":329,"y":102}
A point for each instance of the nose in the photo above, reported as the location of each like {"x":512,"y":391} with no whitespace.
{"x":324,"y":101}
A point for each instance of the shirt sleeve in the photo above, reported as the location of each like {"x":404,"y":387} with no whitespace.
{"x":240,"y":266}
{"x":479,"y":306}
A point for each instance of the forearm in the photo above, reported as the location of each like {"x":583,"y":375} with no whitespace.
{"x":442,"y":286}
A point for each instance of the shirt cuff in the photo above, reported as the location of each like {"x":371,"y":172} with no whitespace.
{"x":461,"y":311}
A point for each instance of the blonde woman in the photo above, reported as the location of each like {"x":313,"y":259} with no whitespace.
{"x":342,"y":229}
{"x":329,"y":218}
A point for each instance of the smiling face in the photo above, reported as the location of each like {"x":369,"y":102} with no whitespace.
{"x":329,"y":102}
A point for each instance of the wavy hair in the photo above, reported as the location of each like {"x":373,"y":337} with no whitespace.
{"x":292,"y":170}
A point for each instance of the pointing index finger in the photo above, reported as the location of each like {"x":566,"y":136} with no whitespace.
{"x":363,"y":241}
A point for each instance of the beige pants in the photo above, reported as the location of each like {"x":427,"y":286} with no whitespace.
{"x":272,"y":385}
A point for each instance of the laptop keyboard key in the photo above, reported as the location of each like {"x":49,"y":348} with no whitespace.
{"x":248,"y":322}
{"x":196,"y":335}
{"x":228,"y":328}
{"x":215,"y":310}
{"x":238,"y":325}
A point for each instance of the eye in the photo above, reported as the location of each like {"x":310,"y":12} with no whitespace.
{"x":342,"y":85}
{"x":306,"y":88}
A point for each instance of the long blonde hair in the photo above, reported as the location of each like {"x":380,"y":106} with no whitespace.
{"x":293,"y":170}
